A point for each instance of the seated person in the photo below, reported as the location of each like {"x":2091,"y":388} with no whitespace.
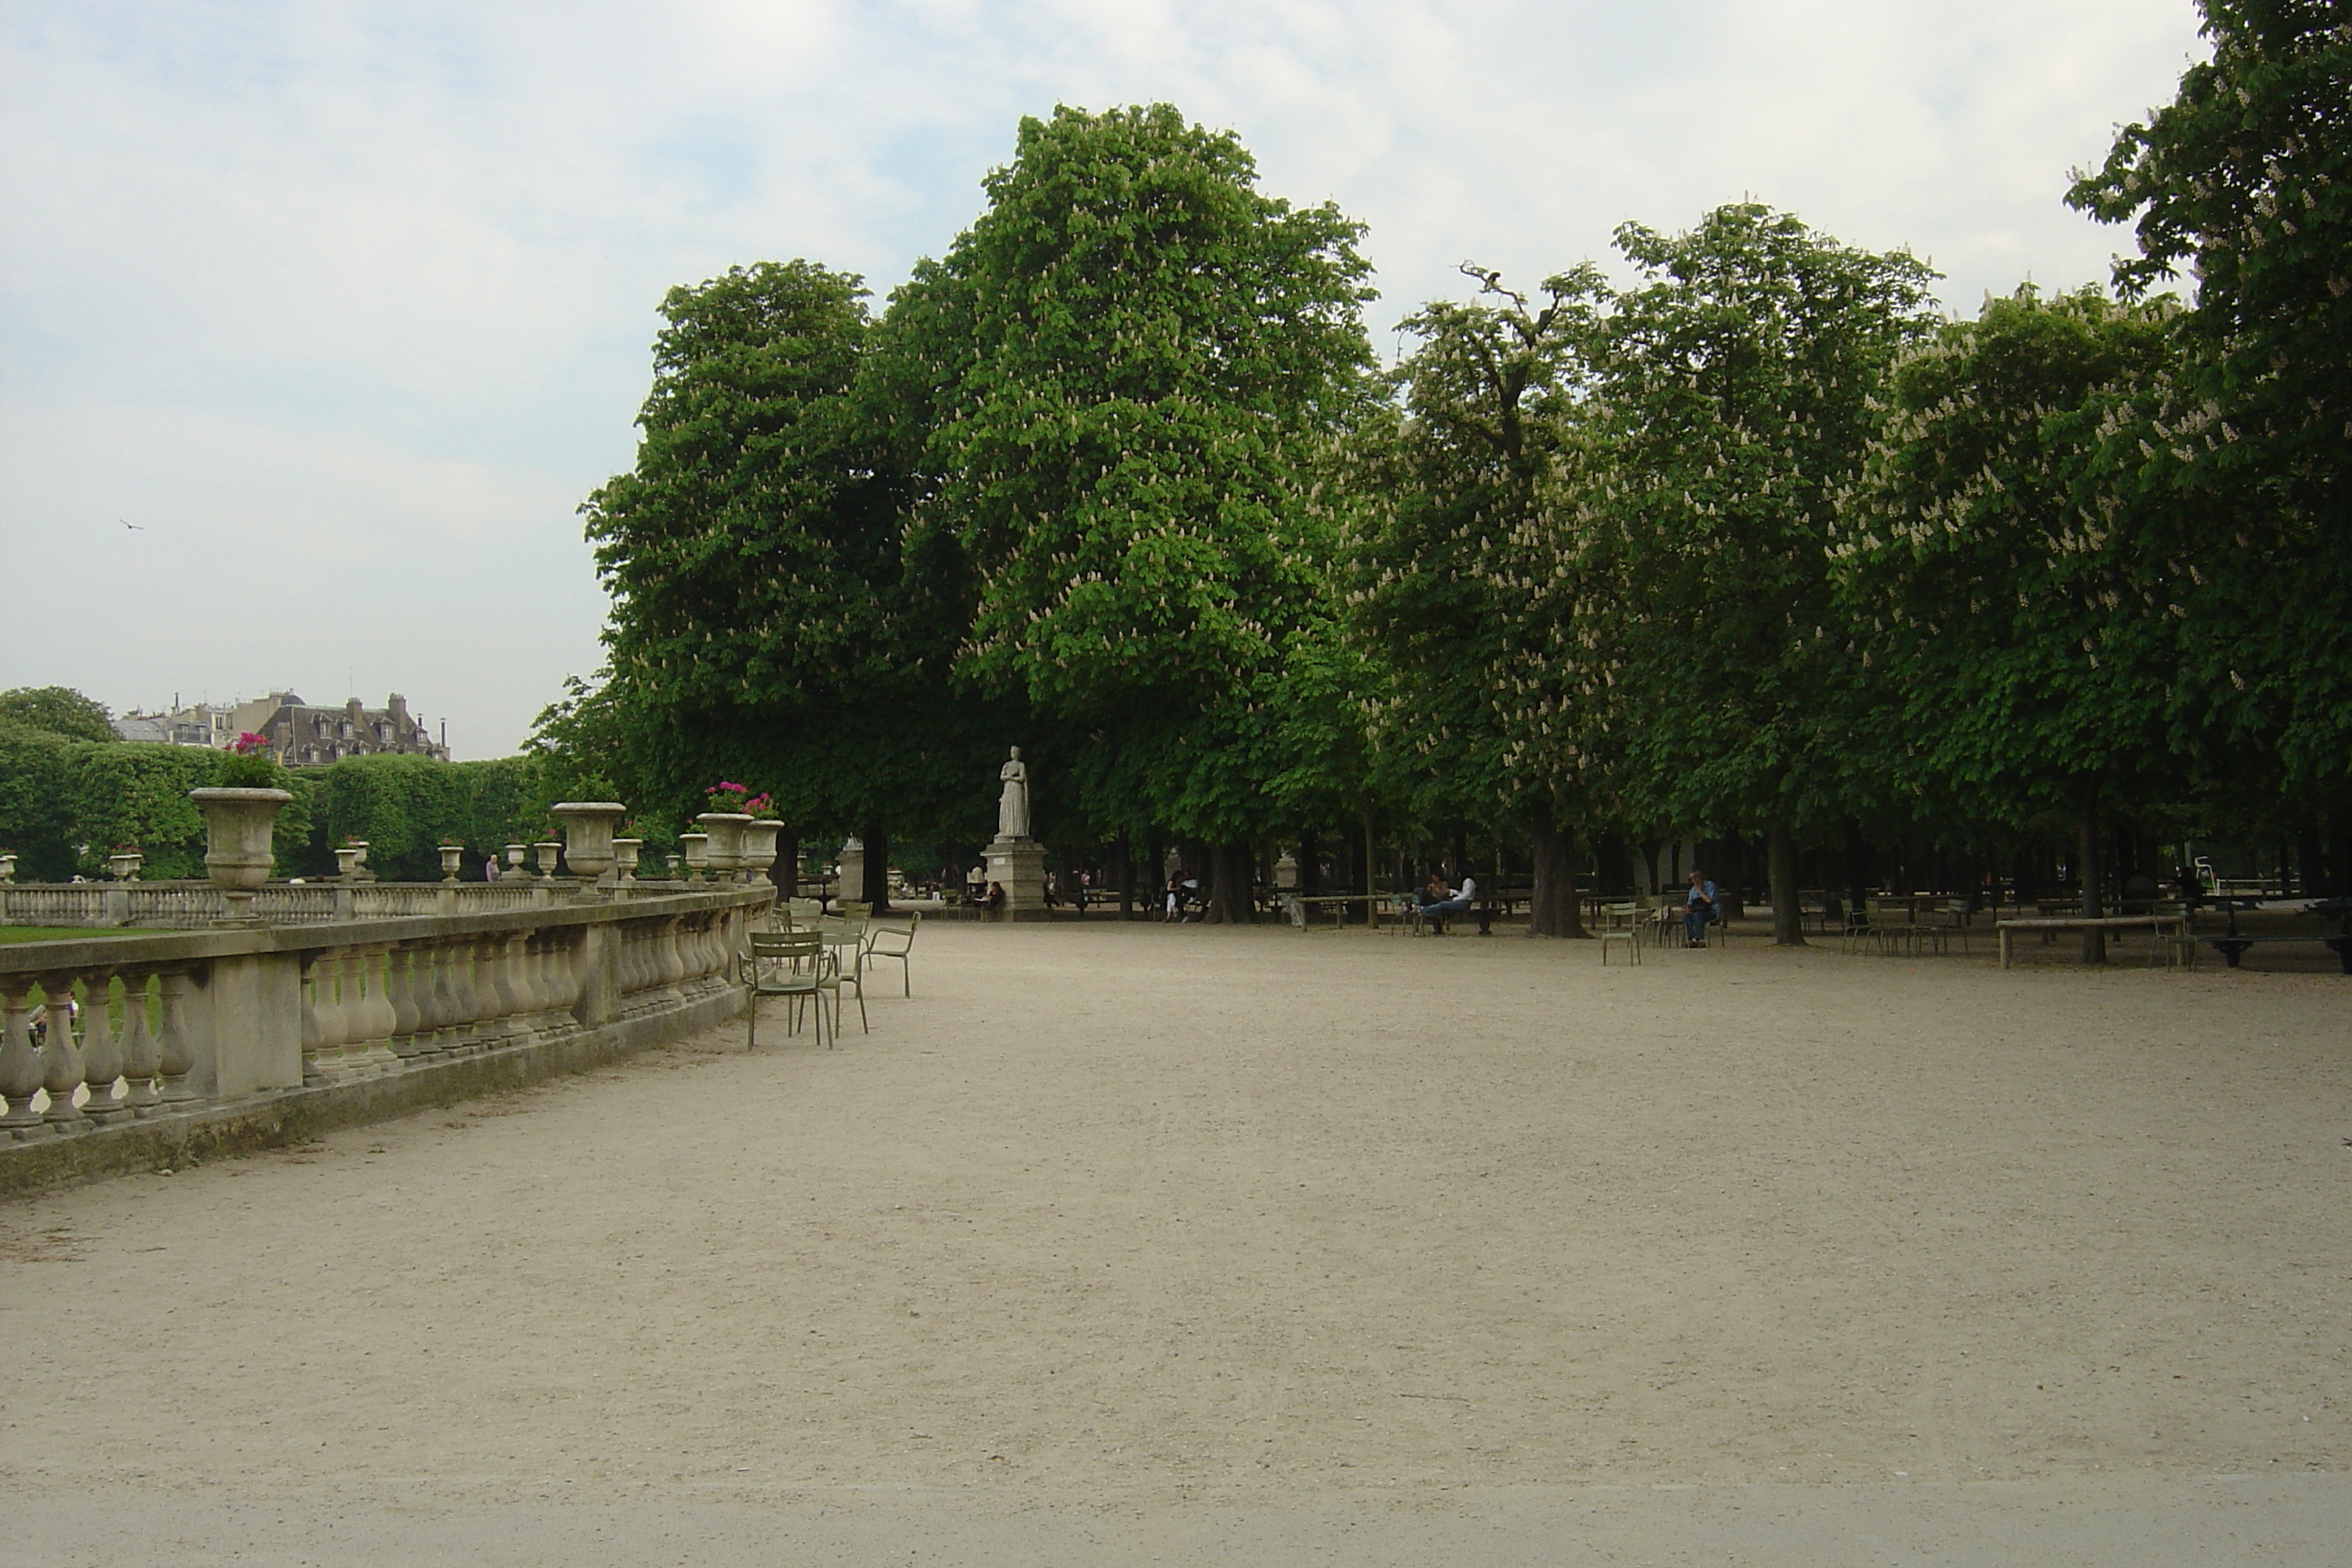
{"x":1698,"y":907}
{"x":1456,"y":902}
{"x":996,"y":899}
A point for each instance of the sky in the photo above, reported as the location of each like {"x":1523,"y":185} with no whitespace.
{"x":318,"y":318}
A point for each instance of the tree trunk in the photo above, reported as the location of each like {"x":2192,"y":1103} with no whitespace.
{"x":1365,"y":870}
{"x":1552,"y":909}
{"x":1310,"y":876}
{"x":1122,"y":866}
{"x":786,"y":872}
{"x":877,"y":891}
{"x":1228,"y":886}
{"x":2087,"y":853}
{"x":1780,"y":867}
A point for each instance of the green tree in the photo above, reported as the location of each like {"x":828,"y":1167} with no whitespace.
{"x":2245,"y":179}
{"x":1739,"y":378}
{"x":1470,"y":569}
{"x":2015,"y":577}
{"x":753,"y":555}
{"x":1132,"y":364}
{"x":58,"y":709}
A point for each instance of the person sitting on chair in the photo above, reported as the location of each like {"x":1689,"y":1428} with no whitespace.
{"x":1698,"y":909}
{"x":1456,"y":902}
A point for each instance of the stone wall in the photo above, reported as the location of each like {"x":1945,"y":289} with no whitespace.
{"x":184,"y":1045}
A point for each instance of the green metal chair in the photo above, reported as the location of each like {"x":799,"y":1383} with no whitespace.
{"x":893,"y":938}
{"x":790,"y":964}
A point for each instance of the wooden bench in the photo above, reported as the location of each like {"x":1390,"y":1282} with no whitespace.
{"x":2054,"y":923}
{"x":1298,"y":906}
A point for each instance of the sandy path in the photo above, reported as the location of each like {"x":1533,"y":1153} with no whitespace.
{"x":1140,"y":1211}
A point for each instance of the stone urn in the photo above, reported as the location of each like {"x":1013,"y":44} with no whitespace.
{"x":515,"y":852}
{"x":360,"y":871}
{"x":624,"y":859}
{"x":124,"y":868}
{"x":726,"y":831}
{"x":452,"y":856}
{"x":676,"y":864}
{"x":546,"y":852}
{"x":760,"y":845}
{"x":8,"y":864}
{"x":239,"y":825}
{"x":696,"y":848}
{"x":347,"y":860}
{"x":588,"y":835}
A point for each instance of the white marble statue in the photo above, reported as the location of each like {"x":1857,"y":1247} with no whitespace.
{"x":1013,"y":804}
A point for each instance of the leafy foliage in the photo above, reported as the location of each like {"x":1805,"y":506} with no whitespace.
{"x":57,"y":711}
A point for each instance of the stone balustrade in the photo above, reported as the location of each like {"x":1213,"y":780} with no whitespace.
{"x":197,"y":1040}
{"x":191,"y":905}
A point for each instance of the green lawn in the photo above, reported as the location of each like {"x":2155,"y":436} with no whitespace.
{"x":54,"y":933}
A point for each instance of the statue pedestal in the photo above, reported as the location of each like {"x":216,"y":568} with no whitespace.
{"x":852,"y":882}
{"x":1019,"y":865}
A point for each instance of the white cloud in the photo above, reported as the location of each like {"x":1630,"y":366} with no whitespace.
{"x":353,"y":299}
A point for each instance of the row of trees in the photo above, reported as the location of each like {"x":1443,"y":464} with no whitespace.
{"x":1757,"y":544}
{"x":71,"y":794}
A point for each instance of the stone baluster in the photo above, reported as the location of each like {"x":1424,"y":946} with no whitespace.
{"x":142,"y":1054}
{"x":464,"y":998}
{"x":542,"y":985}
{"x":496,"y":954}
{"x":102,"y":1050}
{"x":377,"y":1018}
{"x":175,"y":1056}
{"x":20,"y":1065}
{"x":322,"y":1017}
{"x":520,"y":993}
{"x":448,"y":1031}
{"x":400,"y":991}
{"x":563,"y":963}
{"x":484,"y":956}
{"x":425,"y":991}
{"x":633,"y":965}
{"x":61,"y":1071}
{"x":673,"y":960}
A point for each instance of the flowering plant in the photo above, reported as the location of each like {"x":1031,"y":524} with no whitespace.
{"x":252,"y":763}
{"x":127,"y":850}
{"x":727,"y":796}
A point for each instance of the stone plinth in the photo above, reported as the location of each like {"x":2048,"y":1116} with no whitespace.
{"x":850,"y":871}
{"x":1019,"y":865}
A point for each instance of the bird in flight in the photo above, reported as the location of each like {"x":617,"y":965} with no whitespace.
{"x":133,"y":526}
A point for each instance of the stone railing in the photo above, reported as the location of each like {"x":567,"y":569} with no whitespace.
{"x":192,"y":905}
{"x":194,"y":1039}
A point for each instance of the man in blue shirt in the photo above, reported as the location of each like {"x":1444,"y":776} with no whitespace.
{"x":1697,"y":910}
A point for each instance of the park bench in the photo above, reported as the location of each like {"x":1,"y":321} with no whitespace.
{"x":2232,"y":943}
{"x":2052,"y":924}
{"x":1299,"y":907}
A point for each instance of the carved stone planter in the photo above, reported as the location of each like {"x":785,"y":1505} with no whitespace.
{"x":588,"y":835}
{"x":760,"y":845}
{"x":726,"y":851}
{"x":239,"y":827}
{"x":451,"y":854}
{"x":697,"y":850}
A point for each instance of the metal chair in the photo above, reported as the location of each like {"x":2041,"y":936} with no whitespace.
{"x":845,"y":939}
{"x":893,"y":938}
{"x":787,"y":964}
{"x":1616,"y":923}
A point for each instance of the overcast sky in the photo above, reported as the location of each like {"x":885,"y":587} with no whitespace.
{"x":346,"y":306}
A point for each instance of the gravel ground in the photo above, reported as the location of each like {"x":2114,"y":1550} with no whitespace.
{"x":1132,"y":1219}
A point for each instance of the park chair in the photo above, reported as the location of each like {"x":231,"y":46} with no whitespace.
{"x":845,"y":939}
{"x":1618,"y":923}
{"x":893,"y":938}
{"x":1857,"y":932}
{"x":1891,"y":926}
{"x":1954,"y":917}
{"x":2175,"y":941}
{"x":787,"y":964}
{"x":1655,"y":917}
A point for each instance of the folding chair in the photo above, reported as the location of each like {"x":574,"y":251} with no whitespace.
{"x":892,"y":938}
{"x":787,"y":964}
